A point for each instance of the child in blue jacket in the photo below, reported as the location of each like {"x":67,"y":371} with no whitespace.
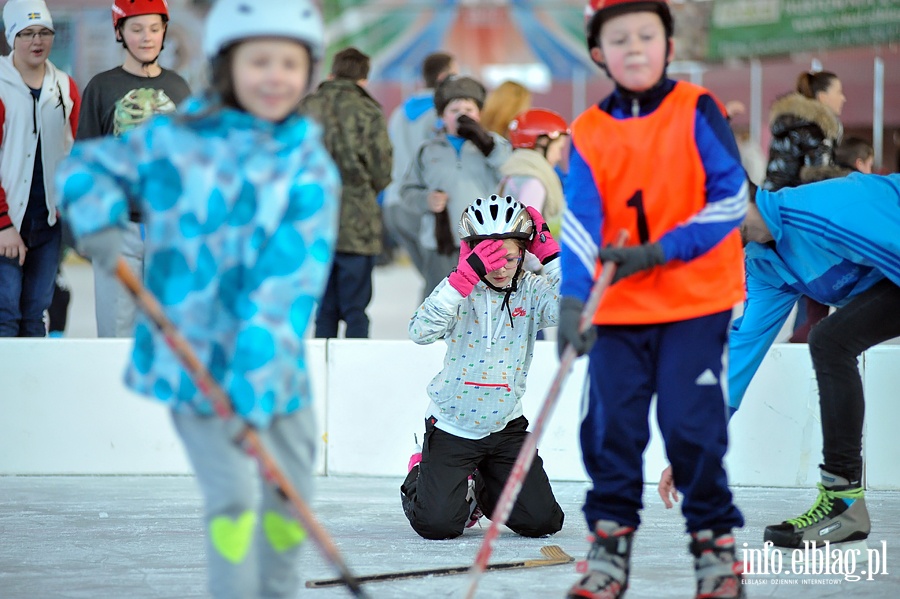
{"x":240,"y":200}
{"x":838,"y":242}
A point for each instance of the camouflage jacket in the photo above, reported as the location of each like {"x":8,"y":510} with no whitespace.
{"x":356,"y":137}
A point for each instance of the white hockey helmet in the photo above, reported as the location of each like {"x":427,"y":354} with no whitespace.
{"x":231,"y":21}
{"x":495,"y":218}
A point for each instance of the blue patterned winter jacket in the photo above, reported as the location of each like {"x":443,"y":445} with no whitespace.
{"x":240,"y":224}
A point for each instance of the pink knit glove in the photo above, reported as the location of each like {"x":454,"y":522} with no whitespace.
{"x":488,"y":256}
{"x":542,"y":245}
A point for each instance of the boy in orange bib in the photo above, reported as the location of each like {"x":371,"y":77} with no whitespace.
{"x":657,"y":159}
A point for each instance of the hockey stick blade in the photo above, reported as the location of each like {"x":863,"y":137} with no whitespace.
{"x":554,"y":556}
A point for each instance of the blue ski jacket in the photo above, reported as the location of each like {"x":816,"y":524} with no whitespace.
{"x":240,"y":218}
{"x":832,"y":240}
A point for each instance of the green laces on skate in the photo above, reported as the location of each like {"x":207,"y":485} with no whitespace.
{"x":824,"y":505}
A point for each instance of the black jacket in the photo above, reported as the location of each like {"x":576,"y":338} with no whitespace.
{"x":804,"y":134}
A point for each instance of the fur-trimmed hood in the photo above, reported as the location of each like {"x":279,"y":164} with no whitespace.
{"x":811,"y":174}
{"x":807,"y":109}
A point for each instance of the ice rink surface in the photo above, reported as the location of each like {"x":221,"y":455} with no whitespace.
{"x":141,"y":538}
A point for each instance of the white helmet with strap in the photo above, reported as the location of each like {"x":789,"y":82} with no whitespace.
{"x":230,"y":21}
{"x":495,"y":218}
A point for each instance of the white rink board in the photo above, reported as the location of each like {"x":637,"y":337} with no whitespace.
{"x":376,"y":402}
{"x":65,"y":411}
{"x":775,"y":438}
{"x":882,"y":389}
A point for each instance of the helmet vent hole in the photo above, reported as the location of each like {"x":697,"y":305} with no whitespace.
{"x":495,"y":210}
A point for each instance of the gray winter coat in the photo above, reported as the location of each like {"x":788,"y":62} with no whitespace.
{"x":462,"y":177}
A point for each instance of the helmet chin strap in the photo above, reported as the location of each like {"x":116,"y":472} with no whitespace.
{"x":508,"y":290}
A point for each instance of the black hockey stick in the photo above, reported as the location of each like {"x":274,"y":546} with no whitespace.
{"x":246,"y":438}
{"x":553,"y":556}
{"x":528,"y":450}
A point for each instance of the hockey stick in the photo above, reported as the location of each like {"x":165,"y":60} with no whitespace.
{"x":554,"y":556}
{"x":529,"y":448}
{"x":246,"y":438}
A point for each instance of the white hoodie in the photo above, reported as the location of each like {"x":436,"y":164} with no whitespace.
{"x":489,"y":349}
{"x":54,"y":117}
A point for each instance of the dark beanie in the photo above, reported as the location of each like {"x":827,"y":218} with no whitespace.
{"x":456,"y":88}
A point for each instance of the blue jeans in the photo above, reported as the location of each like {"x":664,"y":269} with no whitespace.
{"x":27,"y":290}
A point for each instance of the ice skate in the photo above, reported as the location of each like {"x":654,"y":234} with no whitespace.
{"x":839,"y":515}
{"x":718,"y":573}
{"x":475,"y":512}
{"x":606,"y":567}
{"x":410,"y":483}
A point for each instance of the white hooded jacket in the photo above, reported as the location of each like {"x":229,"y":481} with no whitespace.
{"x":489,"y":349}
{"x":54,"y":117}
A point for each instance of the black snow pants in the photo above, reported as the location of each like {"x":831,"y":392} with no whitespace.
{"x":434,"y":492}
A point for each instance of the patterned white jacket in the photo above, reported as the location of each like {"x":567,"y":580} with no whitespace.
{"x":489,"y":349}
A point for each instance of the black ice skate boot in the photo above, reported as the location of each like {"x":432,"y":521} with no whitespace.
{"x":475,"y":513}
{"x":718,"y":572}
{"x":606,"y":567}
{"x":839,"y":515}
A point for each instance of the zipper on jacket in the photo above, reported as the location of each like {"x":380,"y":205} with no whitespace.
{"x":635,"y":108}
{"x":34,"y":109}
{"x":499,"y":385}
{"x":489,"y":316}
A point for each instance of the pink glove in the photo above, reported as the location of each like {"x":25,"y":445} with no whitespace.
{"x":488,"y":256}
{"x":542,"y":245}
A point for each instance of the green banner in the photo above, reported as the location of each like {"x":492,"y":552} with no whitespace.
{"x":747,"y":28}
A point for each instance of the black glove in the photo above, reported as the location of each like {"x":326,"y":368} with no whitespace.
{"x":636,"y":258}
{"x":469,"y":128}
{"x":568,"y":334}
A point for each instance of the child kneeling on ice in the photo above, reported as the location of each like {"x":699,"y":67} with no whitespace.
{"x":488,"y":311}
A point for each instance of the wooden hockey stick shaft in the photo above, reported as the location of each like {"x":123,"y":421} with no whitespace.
{"x":247,"y":438}
{"x":528,"y":450}
{"x":555,"y":557}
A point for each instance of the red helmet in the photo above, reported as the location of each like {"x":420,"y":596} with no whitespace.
{"x":525,"y":129}
{"x":598,"y":11}
{"x":122,"y":9}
